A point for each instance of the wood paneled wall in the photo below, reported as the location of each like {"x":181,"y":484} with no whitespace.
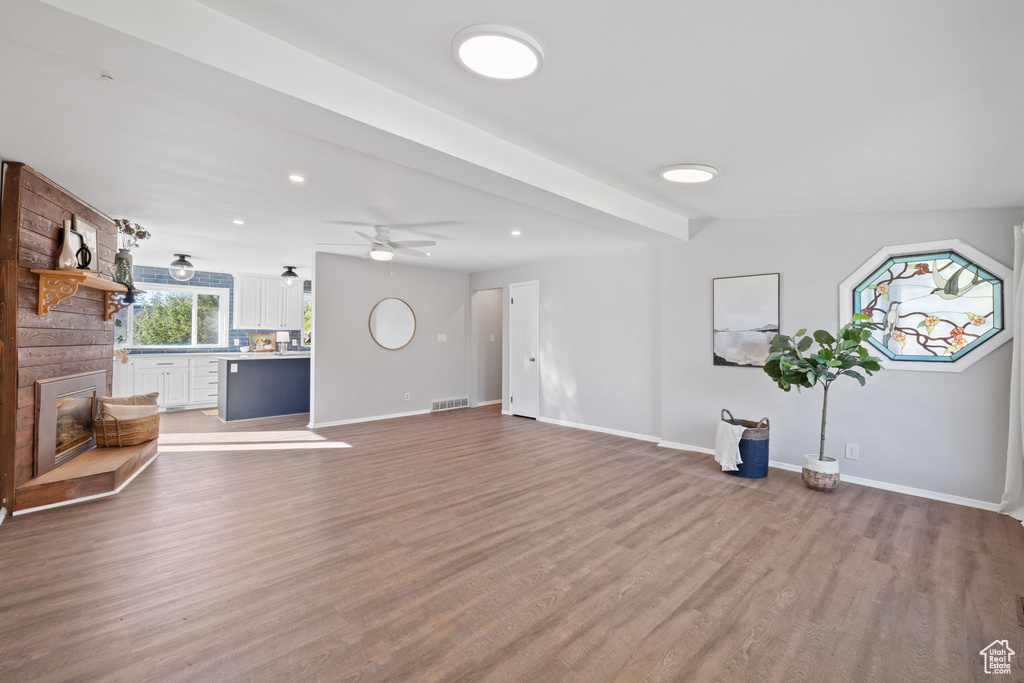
{"x":70,"y":339}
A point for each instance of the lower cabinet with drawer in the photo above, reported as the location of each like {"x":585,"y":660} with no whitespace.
{"x":182,"y":380}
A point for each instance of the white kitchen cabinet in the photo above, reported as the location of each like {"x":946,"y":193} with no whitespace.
{"x":168,"y":375}
{"x":264,"y":303}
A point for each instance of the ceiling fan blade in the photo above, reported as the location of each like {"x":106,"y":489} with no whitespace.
{"x":358,"y":224}
{"x":339,"y":244}
{"x":405,"y":244}
{"x":371,"y":240}
{"x":408,"y":252}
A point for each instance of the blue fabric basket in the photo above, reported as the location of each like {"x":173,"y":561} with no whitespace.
{"x":753,"y":447}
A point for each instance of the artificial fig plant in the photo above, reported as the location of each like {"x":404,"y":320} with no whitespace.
{"x":791,"y":364}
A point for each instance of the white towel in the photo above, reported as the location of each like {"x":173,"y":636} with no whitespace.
{"x":727,"y":446}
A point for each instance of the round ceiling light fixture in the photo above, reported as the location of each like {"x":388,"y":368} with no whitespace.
{"x":689,"y":173}
{"x":181,"y":269}
{"x":381,"y":252}
{"x":238,"y":221}
{"x":289,"y":278}
{"x":497,"y":51}
{"x":296,"y":178}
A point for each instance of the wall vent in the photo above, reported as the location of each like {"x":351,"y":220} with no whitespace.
{"x":449,"y":404}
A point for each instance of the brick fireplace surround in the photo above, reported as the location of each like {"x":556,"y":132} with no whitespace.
{"x":71,"y":339}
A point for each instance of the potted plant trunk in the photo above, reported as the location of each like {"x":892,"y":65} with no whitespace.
{"x":792,"y":364}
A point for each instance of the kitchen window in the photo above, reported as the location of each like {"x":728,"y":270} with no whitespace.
{"x":178,"y":316}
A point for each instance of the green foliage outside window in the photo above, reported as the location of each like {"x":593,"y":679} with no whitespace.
{"x":164,"y":318}
{"x":307,"y":322}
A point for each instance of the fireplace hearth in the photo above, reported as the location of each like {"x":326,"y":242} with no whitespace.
{"x":67,"y":407}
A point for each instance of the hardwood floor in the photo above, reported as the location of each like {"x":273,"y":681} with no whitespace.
{"x":468,"y":546}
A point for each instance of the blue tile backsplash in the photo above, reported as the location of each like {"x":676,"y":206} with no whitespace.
{"x":202,"y":278}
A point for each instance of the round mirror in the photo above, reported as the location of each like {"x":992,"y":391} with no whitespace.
{"x":392,"y":323}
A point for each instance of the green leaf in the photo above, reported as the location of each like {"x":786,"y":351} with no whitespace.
{"x":871,"y":286}
{"x":861,"y":316}
{"x":801,"y":332}
{"x":921,"y":324}
{"x":856,"y":375}
{"x":823,"y":337}
{"x":885,"y":295}
{"x":804,"y":344}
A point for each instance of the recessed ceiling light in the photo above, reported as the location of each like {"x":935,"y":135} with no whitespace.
{"x":498,"y":51}
{"x":517,"y":233}
{"x":238,"y":222}
{"x":295,"y":178}
{"x":427,"y":253}
{"x":689,"y":173}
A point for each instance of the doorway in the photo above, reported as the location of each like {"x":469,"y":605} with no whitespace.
{"x":523,"y":349}
{"x":486,"y":343}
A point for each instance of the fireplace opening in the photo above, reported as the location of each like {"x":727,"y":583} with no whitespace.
{"x":74,"y":425}
{"x":66,"y":409}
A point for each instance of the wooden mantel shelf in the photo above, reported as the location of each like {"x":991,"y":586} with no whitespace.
{"x":57,"y":285}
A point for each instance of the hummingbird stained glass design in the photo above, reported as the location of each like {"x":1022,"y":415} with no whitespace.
{"x":933,"y":307}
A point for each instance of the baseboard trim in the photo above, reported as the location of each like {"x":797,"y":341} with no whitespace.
{"x":92,"y":497}
{"x":507,"y":412}
{"x":602,"y":430}
{"x":860,"y":481}
{"x":487,"y":403}
{"x":372,"y":418}
{"x":686,"y":447}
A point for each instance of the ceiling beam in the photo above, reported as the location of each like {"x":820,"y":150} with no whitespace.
{"x":420,"y":136}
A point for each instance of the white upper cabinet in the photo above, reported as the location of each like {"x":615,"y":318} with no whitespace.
{"x":263,"y":303}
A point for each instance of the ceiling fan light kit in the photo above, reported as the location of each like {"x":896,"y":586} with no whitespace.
{"x":383,"y":249}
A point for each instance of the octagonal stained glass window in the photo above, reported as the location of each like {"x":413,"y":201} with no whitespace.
{"x":931,"y":306}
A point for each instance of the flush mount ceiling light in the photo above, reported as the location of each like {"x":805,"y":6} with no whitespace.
{"x":689,"y":173}
{"x":517,"y":233}
{"x":295,"y":178}
{"x":289,"y":278}
{"x":181,"y":269}
{"x":498,"y":51}
{"x":381,"y":252}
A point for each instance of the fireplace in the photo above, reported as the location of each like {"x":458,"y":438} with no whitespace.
{"x":67,"y":407}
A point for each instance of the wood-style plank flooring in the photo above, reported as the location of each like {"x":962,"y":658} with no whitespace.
{"x":468,"y":546}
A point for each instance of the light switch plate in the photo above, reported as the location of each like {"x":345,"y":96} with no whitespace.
{"x":492,"y":338}
{"x":234,"y":367}
{"x":442,"y":337}
{"x":852,"y":451}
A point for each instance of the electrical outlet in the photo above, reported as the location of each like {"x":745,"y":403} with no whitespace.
{"x":238,"y":342}
{"x":852,"y":451}
{"x":234,"y":367}
{"x":407,"y":396}
{"x":492,"y":338}
{"x":442,"y":337}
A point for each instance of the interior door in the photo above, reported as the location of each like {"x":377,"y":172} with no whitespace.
{"x":523,"y":348}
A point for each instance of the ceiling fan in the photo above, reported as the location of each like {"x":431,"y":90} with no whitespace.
{"x":381,"y":246}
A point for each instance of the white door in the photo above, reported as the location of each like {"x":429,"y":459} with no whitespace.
{"x":273,"y":299}
{"x":248,"y":302}
{"x":523,"y":347}
{"x":176,"y":387}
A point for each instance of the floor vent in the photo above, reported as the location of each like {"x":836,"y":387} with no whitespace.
{"x":449,"y":404}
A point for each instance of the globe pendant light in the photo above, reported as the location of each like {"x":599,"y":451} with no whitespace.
{"x":181,"y":269}
{"x":289,"y":278}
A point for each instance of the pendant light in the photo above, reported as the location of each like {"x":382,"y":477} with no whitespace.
{"x":181,"y":269}
{"x":289,"y":278}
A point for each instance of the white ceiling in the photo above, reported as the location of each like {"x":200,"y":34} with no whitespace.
{"x":804,"y":107}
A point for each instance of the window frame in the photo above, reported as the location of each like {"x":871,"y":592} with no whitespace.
{"x":306,"y":296}
{"x":223,"y":319}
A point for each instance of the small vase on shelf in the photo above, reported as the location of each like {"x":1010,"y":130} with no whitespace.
{"x":67,"y":259}
{"x":123,"y":267}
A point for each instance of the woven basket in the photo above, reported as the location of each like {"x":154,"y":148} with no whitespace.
{"x":819,"y":481}
{"x":753,"y":447}
{"x":111,"y":431}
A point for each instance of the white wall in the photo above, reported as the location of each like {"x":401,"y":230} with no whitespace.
{"x":599,"y":337}
{"x":943,"y":432}
{"x":485,"y":372}
{"x":355,"y":378}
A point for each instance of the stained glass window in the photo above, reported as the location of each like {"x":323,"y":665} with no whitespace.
{"x":933,"y":307}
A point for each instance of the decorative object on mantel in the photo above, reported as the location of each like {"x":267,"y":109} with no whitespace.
{"x":129,"y":234}
{"x":789,"y":367}
{"x":934,"y":306}
{"x":87,"y":236}
{"x":262,"y":342}
{"x":70,"y":243}
{"x":181,"y":269}
{"x":752,"y":462}
{"x":746,"y":317}
{"x":289,"y":278}
{"x":123,"y":355}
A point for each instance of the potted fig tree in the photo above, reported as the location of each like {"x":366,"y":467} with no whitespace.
{"x":791,"y":363}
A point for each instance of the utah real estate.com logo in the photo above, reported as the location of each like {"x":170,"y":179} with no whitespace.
{"x":997,"y":657}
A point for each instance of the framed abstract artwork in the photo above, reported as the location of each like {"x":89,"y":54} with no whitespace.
{"x":937,"y":306}
{"x":746,"y":317}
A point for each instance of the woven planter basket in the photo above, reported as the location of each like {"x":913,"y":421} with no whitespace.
{"x":753,"y":447}
{"x":817,"y":479}
{"x":111,"y":431}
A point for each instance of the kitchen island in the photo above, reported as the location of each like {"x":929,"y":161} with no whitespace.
{"x":262,"y":385}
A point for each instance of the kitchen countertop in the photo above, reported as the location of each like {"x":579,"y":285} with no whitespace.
{"x":265,"y":356}
{"x":224,"y":354}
